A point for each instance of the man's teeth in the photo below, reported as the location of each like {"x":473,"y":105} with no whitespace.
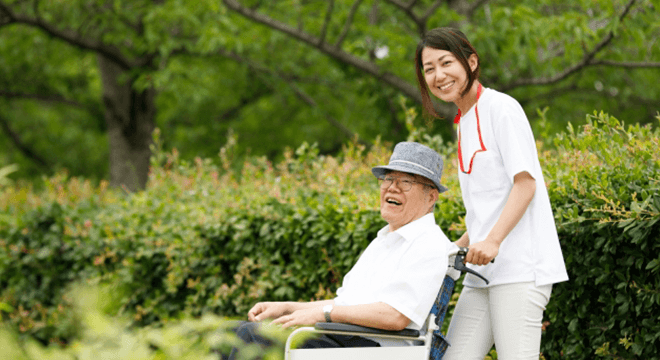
{"x":392,"y":201}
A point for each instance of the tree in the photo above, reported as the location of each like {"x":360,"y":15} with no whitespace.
{"x":549,"y":45}
{"x":280,"y":72}
{"x":130,"y":40}
{"x":42,"y":82}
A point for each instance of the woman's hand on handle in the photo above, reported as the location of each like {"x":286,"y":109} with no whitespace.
{"x":482,"y":252}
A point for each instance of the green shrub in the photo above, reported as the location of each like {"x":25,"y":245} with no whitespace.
{"x":110,"y":337}
{"x":201,"y":239}
{"x":604,"y":184}
{"x":206,"y":238}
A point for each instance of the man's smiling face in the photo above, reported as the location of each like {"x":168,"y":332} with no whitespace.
{"x":400,"y":207}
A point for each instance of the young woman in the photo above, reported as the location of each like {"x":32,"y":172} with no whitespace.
{"x":508,"y":213}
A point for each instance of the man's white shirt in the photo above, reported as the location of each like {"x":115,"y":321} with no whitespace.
{"x":403,"y":269}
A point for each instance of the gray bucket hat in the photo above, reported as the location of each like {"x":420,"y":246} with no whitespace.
{"x":414,"y":158}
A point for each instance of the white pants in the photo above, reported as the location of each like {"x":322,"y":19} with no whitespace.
{"x":510,"y":316}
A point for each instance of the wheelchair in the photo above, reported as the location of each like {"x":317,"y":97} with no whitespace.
{"x":427,"y":343}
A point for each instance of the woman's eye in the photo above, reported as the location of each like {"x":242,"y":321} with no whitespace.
{"x":428,"y":70}
{"x":446,"y":63}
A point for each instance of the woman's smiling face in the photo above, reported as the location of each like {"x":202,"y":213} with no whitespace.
{"x":445,"y":75}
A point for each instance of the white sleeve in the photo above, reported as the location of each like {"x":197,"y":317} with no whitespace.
{"x":514,"y":138}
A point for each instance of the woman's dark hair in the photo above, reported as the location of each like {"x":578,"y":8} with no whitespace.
{"x":454,"y":41}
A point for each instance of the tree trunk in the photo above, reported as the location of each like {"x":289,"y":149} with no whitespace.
{"x":129,"y":116}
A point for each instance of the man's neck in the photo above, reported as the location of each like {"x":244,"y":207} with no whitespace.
{"x":393,"y":227}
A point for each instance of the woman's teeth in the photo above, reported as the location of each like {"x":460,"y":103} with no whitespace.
{"x":445,"y":87}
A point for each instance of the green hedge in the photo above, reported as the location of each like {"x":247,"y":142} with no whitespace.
{"x":104,"y":336}
{"x":605,"y":190}
{"x":206,"y":238}
{"x":202,"y":238}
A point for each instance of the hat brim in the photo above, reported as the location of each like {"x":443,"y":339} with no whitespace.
{"x":378,"y":171}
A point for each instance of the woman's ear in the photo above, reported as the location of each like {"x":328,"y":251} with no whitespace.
{"x":473,"y":61}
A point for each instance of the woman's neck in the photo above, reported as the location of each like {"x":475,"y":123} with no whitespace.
{"x":468,"y":100}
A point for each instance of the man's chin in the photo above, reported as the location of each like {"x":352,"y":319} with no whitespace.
{"x":388,"y":215}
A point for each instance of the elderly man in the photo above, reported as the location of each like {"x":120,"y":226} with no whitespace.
{"x":395,"y":281}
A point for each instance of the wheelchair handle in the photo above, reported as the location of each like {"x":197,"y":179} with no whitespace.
{"x":459,"y":264}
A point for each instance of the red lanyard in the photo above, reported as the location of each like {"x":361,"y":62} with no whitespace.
{"x":457,"y":120}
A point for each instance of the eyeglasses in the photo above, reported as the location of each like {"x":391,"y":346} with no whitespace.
{"x":404,"y":184}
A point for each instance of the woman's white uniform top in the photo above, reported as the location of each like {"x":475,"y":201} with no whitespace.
{"x":531,"y":251}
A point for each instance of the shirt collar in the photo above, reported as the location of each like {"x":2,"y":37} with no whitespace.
{"x":411,"y":230}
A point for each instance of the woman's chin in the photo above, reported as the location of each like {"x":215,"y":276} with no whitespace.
{"x":448,"y":96}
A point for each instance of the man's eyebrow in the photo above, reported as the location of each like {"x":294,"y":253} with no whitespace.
{"x":440,"y":59}
{"x":404,"y":177}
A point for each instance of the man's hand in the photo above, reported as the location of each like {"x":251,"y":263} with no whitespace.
{"x":482,"y":252}
{"x":308,"y":316}
{"x":268,"y":310}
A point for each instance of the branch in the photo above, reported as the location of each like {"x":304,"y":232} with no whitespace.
{"x":411,"y":4}
{"x":137,"y":27}
{"x":349,"y":22}
{"x":587,"y":60}
{"x":400,"y":4}
{"x":334,"y":122}
{"x":431,"y":10}
{"x":258,"y":92}
{"x":328,"y":16}
{"x":408,"y":10}
{"x":232,"y":112}
{"x":299,"y":92}
{"x":41,"y":97}
{"x":5,"y":18}
{"x":70,"y":37}
{"x":551,"y":94}
{"x":35,"y":8}
{"x":649,"y":105}
{"x":368,"y":67}
{"x":627,"y":64}
{"x":420,"y":21}
{"x":472,"y":8}
{"x":27,"y":151}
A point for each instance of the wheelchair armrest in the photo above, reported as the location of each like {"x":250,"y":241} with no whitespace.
{"x":365,"y":330}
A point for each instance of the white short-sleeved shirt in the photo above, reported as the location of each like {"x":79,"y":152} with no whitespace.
{"x":403,"y":269}
{"x":531,"y":251}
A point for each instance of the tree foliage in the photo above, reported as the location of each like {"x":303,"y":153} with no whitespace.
{"x":102,"y":74}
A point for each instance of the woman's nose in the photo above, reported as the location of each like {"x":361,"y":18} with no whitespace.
{"x":440,"y":75}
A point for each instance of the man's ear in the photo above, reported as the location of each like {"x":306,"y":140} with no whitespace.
{"x":434,"y":195}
